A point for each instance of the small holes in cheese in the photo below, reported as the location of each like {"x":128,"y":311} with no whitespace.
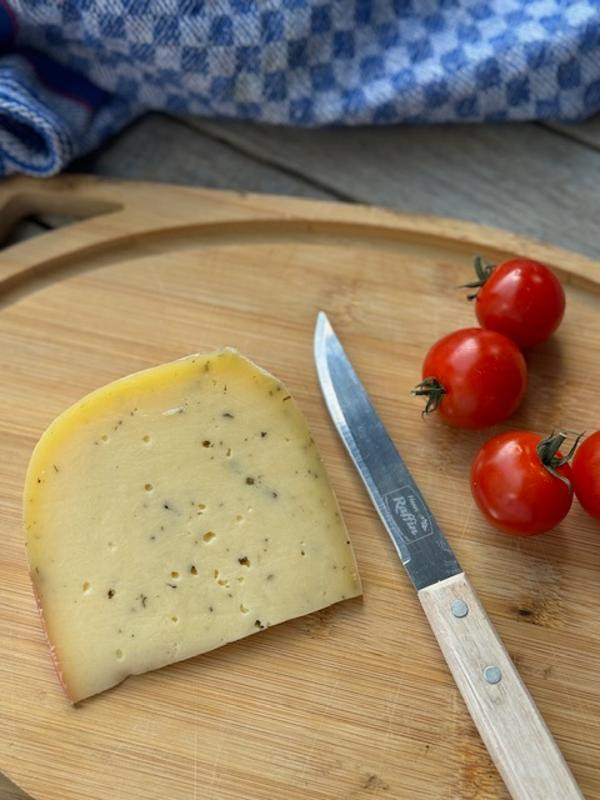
{"x":172,"y":411}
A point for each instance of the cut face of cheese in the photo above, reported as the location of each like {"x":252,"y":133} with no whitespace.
{"x":176,"y":510}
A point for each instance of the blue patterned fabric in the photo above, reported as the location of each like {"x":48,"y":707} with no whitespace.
{"x":72,"y":72}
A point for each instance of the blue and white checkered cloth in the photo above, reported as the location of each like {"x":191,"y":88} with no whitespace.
{"x":72,"y":72}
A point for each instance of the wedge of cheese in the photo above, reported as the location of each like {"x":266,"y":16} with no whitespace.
{"x":173,"y":511}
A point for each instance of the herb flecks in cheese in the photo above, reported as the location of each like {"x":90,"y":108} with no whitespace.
{"x":173,"y":511}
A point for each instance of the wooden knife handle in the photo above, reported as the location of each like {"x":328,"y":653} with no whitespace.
{"x":512,"y":728}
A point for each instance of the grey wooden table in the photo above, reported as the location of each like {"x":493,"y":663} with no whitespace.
{"x":539,"y":180}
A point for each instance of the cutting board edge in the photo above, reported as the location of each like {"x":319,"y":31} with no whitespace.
{"x":91,"y":201}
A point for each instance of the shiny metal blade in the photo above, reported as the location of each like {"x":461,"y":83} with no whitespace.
{"x":421,"y":545}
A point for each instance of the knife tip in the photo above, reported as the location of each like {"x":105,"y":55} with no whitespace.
{"x":322,"y":320}
{"x":319,"y":336}
{"x":321,"y":327}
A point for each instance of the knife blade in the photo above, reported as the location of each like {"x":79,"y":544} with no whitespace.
{"x":504,"y":712}
{"x":419,"y":542}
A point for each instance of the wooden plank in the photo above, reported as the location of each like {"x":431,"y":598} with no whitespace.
{"x":517,"y":177}
{"x":586,"y":132}
{"x":8,"y":790}
{"x":158,"y":148}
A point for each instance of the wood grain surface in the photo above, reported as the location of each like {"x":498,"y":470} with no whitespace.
{"x":355,"y":701}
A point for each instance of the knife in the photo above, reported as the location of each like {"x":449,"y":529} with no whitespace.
{"x":512,"y":728}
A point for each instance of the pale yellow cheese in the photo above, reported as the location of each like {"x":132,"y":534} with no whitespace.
{"x":173,"y":511}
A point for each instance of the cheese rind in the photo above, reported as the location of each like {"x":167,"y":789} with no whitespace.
{"x":176,"y":510}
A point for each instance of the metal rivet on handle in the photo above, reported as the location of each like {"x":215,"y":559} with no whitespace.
{"x":459,"y":608}
{"x":492,"y":674}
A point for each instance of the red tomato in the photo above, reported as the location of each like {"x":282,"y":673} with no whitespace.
{"x":586,"y":474}
{"x":473,"y":377}
{"x":522,"y":299}
{"x":515,"y":490}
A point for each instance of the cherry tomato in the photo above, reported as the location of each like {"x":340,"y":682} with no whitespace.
{"x":516,"y":491}
{"x":522,"y":299}
{"x":473,"y":377}
{"x":586,"y":474}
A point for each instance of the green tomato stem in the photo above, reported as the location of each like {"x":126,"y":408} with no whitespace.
{"x":547,"y":451}
{"x":483,"y":272}
{"x":433,"y":390}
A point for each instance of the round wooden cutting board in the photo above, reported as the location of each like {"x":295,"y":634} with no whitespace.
{"x":354,"y":701}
